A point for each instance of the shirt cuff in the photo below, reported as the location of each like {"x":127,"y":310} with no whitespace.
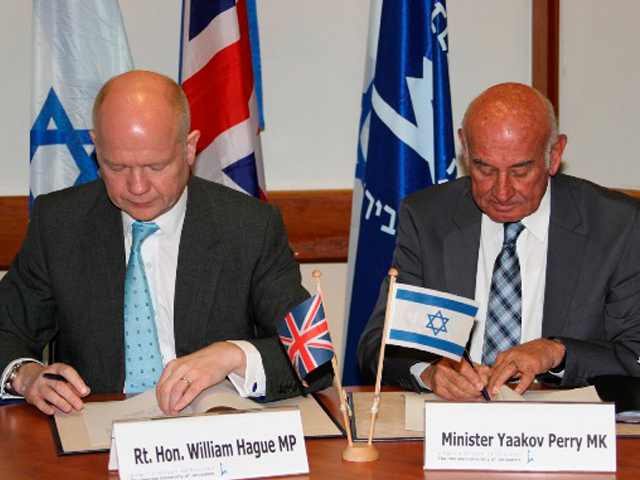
{"x":254,"y":383}
{"x":5,"y":374}
{"x":556,"y":374}
{"x":416,"y":370}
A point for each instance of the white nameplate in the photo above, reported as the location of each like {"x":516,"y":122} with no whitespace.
{"x":520,"y":436}
{"x":222,"y":445}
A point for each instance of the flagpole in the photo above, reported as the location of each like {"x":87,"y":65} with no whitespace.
{"x":393,"y":274}
{"x":351,"y":453}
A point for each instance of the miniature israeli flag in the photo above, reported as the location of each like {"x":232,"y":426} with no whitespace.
{"x":430,"y":320}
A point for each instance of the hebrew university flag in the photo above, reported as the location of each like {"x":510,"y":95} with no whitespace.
{"x":406,"y":143}
{"x":429,"y":320}
{"x":77,"y":46}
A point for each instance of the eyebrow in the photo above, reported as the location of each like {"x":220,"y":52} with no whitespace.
{"x":524,"y":163}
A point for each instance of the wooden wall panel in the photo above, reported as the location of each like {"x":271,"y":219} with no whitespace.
{"x":317,"y":222}
{"x":14,"y":219}
{"x":545,"y":54}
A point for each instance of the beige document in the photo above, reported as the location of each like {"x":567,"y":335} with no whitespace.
{"x":401,"y":414}
{"x":414,"y":402}
{"x":90,"y":429}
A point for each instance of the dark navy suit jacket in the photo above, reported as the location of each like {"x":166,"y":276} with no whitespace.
{"x":592,"y":293}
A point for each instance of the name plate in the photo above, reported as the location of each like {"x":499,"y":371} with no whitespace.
{"x":222,"y":445}
{"x":520,"y":436}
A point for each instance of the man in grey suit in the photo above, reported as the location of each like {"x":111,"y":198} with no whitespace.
{"x":220,"y":270}
{"x":579,"y":258}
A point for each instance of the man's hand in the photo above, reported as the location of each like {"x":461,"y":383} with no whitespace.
{"x":525,"y":361}
{"x":45,"y":394}
{"x":455,"y":380}
{"x":184,"y":378}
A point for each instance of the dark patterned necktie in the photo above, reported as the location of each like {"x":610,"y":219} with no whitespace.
{"x":142,"y":351}
{"x":503,"y":327}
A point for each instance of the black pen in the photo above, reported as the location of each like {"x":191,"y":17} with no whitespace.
{"x":54,"y":376}
{"x":485,"y":394}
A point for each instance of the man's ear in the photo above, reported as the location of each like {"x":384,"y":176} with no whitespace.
{"x":192,"y":143}
{"x":94,"y":139}
{"x":464,"y":146}
{"x":556,"y":154}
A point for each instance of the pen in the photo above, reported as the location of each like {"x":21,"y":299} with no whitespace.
{"x":54,"y":376}
{"x":485,"y":394}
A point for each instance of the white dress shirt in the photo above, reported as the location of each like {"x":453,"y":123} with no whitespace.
{"x":531,"y":247}
{"x":160,"y":255}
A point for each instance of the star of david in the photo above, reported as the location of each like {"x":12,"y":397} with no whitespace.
{"x":434,"y":320}
{"x":65,"y":134}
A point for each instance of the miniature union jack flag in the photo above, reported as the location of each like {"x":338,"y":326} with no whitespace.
{"x":305,"y":335}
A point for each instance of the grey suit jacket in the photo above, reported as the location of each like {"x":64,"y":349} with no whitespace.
{"x":592,"y":294}
{"x":236,"y":279}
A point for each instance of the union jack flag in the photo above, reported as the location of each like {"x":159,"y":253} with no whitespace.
{"x":305,"y":335}
{"x":216,"y":73}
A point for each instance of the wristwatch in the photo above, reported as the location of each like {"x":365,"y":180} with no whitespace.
{"x":563,"y":363}
{"x":11,"y":377}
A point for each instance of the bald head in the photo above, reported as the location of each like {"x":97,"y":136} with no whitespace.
{"x":515,"y":104}
{"x":511,"y":144}
{"x":145,"y":92}
{"x":144,"y":148}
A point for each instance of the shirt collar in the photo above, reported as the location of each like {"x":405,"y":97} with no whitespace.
{"x":537,"y":223}
{"x":170,"y":222}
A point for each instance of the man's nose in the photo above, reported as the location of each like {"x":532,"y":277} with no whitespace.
{"x":503,"y":189}
{"x":138,"y":184}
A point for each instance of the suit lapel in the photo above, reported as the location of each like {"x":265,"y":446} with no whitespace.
{"x":567,"y":239}
{"x":199,"y":264}
{"x":103,"y":250}
{"x":461,"y":248}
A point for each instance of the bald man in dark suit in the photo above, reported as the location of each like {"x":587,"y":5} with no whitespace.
{"x":235,"y":276}
{"x":579,"y":252}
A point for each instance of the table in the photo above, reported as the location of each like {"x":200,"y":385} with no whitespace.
{"x":27,"y":452}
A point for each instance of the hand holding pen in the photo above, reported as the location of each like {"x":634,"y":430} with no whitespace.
{"x":57,"y":386}
{"x":484,"y":392}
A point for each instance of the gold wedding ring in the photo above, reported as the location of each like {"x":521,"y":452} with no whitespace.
{"x":185,"y":380}
{"x":515,"y":365}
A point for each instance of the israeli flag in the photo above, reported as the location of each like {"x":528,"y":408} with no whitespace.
{"x":429,"y":320}
{"x":77,"y":47}
{"x":405,"y":144}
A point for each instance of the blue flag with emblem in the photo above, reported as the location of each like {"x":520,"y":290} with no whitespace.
{"x":405,"y":144}
{"x":77,"y":46}
{"x":429,"y":320}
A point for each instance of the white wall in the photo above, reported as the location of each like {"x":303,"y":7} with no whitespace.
{"x":600,"y":90}
{"x":313,"y":59}
{"x":489,"y":43}
{"x":15,"y":81}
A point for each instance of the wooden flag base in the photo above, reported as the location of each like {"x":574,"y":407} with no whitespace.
{"x":360,"y":453}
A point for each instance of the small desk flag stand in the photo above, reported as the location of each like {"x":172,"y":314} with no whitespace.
{"x":393,"y":274}
{"x":351,"y":453}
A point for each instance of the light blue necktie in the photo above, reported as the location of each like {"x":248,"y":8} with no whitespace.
{"x":504,"y":311}
{"x":142,"y":351}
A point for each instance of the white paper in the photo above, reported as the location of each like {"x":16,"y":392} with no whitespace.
{"x":414,"y":402}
